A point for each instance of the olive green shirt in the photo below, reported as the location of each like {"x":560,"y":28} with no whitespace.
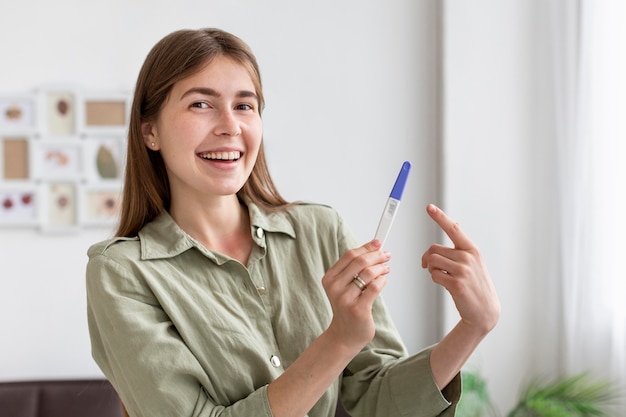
{"x":180,"y":330}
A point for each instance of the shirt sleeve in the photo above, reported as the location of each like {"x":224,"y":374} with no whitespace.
{"x":383,"y":381}
{"x":140,"y":351}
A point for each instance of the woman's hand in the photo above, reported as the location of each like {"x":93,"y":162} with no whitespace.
{"x":302,"y":384}
{"x":462,"y":272}
{"x":353,"y":325}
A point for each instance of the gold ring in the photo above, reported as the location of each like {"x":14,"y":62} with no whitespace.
{"x":358,"y":281}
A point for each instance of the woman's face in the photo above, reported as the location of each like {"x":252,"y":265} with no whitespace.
{"x":208,"y":131}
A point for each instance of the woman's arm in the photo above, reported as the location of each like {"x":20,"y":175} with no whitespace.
{"x":297,"y":390}
{"x":141,"y":351}
{"x":462,"y":272}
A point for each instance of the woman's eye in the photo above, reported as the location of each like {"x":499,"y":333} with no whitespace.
{"x":244,"y":107}
{"x":200,"y":105}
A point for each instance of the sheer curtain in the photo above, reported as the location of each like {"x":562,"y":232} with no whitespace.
{"x":590,"y":71}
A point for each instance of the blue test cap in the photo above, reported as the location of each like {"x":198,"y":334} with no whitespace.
{"x":398,"y":187}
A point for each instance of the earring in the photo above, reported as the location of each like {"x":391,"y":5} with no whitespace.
{"x":152,"y":144}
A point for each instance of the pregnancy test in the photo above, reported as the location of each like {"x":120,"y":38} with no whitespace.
{"x":391,"y":208}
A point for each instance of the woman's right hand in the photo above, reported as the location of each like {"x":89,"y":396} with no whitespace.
{"x":353,"y":325}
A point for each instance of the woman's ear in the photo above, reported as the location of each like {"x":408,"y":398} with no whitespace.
{"x":149,"y":136}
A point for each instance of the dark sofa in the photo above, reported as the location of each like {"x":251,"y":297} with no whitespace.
{"x":64,"y":398}
{"x":71,"y":398}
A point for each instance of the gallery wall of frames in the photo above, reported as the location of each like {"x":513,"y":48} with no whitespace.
{"x":62,"y":156}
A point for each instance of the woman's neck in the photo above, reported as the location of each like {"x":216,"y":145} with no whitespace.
{"x":220,"y":224}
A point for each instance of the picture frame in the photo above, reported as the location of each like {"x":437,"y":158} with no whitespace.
{"x":19,"y":205}
{"x":19,"y":113}
{"x":15,"y":157}
{"x":58,"y":112}
{"x":60,"y":205}
{"x":104,"y":158}
{"x":100,"y":205}
{"x":103,"y":113}
{"x":58,"y":159}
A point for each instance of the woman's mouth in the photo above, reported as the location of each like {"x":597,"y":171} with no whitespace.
{"x":221,"y":156}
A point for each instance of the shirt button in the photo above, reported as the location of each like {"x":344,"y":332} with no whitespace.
{"x":260,"y":233}
{"x":275,"y":361}
{"x":261,"y":290}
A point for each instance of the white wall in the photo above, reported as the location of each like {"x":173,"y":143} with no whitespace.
{"x":351,"y":93}
{"x":498,"y":173}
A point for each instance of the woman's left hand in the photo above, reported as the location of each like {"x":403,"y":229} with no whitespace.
{"x":463,"y":273}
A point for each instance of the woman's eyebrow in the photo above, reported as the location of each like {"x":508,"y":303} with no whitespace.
{"x":247,"y":93}
{"x":211,"y":92}
{"x":201,"y":90}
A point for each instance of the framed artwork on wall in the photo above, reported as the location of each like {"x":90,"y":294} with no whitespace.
{"x":61,"y":202}
{"x":62,"y":156}
{"x":59,"y":113}
{"x":102,"y":113}
{"x":57,"y":159}
{"x":15,"y":158}
{"x":19,"y":205}
{"x":104,"y":157}
{"x":100,"y":205}
{"x":18,"y":113}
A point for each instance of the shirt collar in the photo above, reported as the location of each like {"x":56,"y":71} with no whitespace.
{"x":163,"y":238}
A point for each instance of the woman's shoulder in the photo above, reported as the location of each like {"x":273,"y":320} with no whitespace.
{"x":320,"y":224}
{"x":115,"y":248}
{"x":299,"y":217}
{"x":161,"y":237}
{"x":317,"y":219}
{"x":308,"y":208}
{"x":313,"y":213}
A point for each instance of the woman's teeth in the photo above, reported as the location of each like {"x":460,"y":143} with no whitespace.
{"x":223,"y":156}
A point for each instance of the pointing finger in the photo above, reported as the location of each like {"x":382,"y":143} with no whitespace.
{"x":451,"y":228}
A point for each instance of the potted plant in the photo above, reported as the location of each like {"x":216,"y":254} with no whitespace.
{"x":571,"y":396}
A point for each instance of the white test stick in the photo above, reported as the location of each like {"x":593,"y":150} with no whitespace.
{"x":393,"y":202}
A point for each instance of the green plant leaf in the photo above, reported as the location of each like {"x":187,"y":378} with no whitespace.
{"x":475,"y":401}
{"x":576,"y":396}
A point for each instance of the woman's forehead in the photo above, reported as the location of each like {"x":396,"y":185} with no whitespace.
{"x":221,"y":70}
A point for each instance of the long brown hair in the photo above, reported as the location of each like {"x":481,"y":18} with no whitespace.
{"x":146,"y":191}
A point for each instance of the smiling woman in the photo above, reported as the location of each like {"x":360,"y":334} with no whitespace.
{"x":147,"y":190}
{"x":217,"y":296}
{"x":209,"y":139}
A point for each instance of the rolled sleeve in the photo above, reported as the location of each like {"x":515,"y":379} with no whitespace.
{"x":412,"y":382}
{"x":402,"y":387}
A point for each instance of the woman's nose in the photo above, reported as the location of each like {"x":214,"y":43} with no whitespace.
{"x":228,"y":124}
